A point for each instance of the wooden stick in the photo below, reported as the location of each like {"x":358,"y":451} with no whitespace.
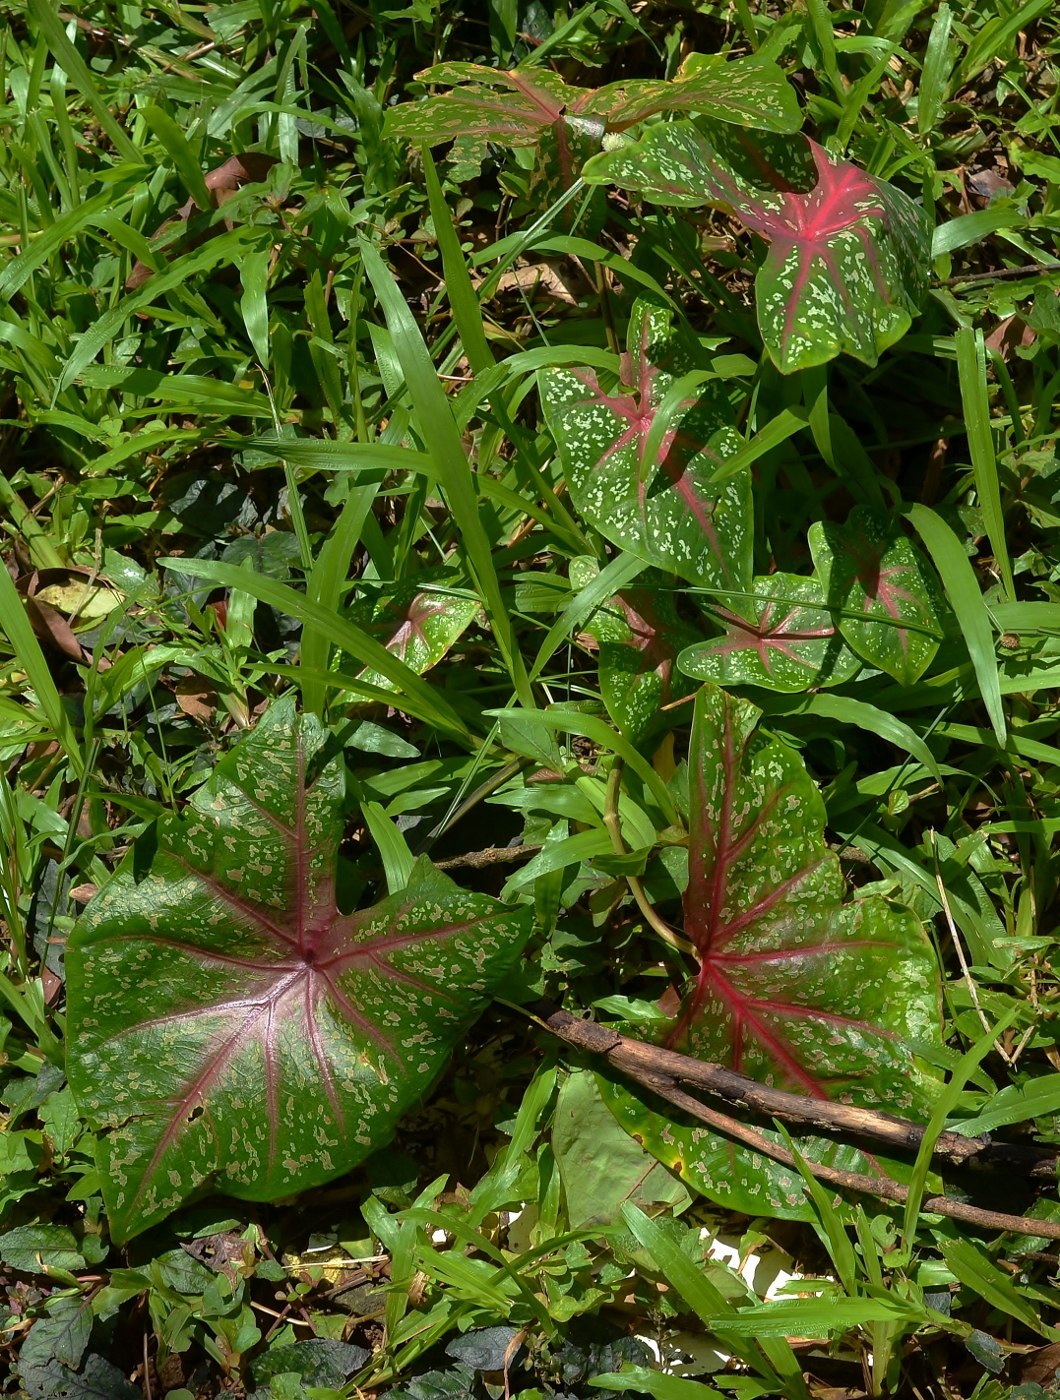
{"x":663,"y":1071}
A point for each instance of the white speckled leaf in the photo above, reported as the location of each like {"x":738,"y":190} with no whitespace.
{"x":515,"y":107}
{"x":788,"y":640}
{"x":794,"y":988}
{"x":882,"y":587}
{"x":227,"y":1025}
{"x":418,"y":624}
{"x":848,"y":255}
{"x":685,"y":510}
{"x":638,"y":634}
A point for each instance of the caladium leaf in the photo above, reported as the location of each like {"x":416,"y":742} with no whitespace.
{"x":662,"y":490}
{"x":785,"y":638}
{"x":848,"y":257}
{"x":228,"y":1025}
{"x":882,"y":588}
{"x":418,"y":623}
{"x":794,"y":987}
{"x":747,"y":92}
{"x":638,"y":633}
{"x":515,"y":107}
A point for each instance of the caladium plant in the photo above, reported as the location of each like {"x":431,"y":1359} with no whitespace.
{"x":651,"y":472}
{"x":848,"y":256}
{"x":638,"y":634}
{"x":792,"y":986}
{"x":883,"y":590}
{"x":517,"y":107}
{"x":228,"y":1024}
{"x":784,"y":638}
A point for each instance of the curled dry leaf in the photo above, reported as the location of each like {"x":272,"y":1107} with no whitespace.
{"x":222,"y":182}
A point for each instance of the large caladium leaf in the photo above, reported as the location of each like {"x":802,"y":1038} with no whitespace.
{"x":419,"y":623}
{"x":228,"y":1025}
{"x":785,"y":639}
{"x":638,"y":634}
{"x":848,"y":255}
{"x":794,"y":987}
{"x":883,"y":591}
{"x":679,"y":505}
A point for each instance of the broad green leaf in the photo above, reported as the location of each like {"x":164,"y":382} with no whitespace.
{"x":888,"y":601}
{"x":848,"y":255}
{"x":657,"y":486}
{"x":638,"y":634}
{"x":601,"y":1167}
{"x":229,"y":1026}
{"x":794,"y":987}
{"x":785,"y":639}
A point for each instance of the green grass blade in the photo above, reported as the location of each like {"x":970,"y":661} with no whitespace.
{"x":226,"y":247}
{"x":16,"y":627}
{"x":397,"y":859}
{"x":711,"y":1306}
{"x":969,"y":606}
{"x":938,"y":62}
{"x":462,"y":299}
{"x":971,"y":367}
{"x":945,"y":1104}
{"x":439,"y":431}
{"x":339,"y":632}
{"x":46,"y":16}
{"x":597,"y":591}
{"x":324,"y":587}
{"x":176,"y":146}
{"x":873,"y":720}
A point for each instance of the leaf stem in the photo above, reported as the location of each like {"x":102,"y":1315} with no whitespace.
{"x":613,"y":826}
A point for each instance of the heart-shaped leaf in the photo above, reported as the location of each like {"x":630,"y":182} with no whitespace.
{"x":638,"y":633}
{"x":228,"y":1024}
{"x":789,"y":642}
{"x":658,"y":487}
{"x":848,"y":254}
{"x":794,"y":987}
{"x":419,"y":624}
{"x":883,"y":590}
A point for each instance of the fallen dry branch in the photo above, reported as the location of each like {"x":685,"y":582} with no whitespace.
{"x":664,"y":1071}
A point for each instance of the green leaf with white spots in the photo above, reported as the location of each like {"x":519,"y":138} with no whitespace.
{"x":784,"y":638}
{"x":419,"y":623}
{"x":638,"y":634}
{"x":647,"y":464}
{"x":882,"y":588}
{"x":848,"y":257}
{"x":229,"y":1026}
{"x":793,"y":987}
{"x":519,"y":106}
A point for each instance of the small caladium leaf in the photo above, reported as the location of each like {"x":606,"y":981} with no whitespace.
{"x":848,"y":255}
{"x":505,"y":107}
{"x":785,"y":638}
{"x":419,"y":623}
{"x":228,"y":1025}
{"x":746,"y":91}
{"x":793,"y":987}
{"x":882,"y":588}
{"x":638,"y":634}
{"x":660,"y":488}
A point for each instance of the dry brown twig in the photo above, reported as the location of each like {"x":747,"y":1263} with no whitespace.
{"x":664,"y":1071}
